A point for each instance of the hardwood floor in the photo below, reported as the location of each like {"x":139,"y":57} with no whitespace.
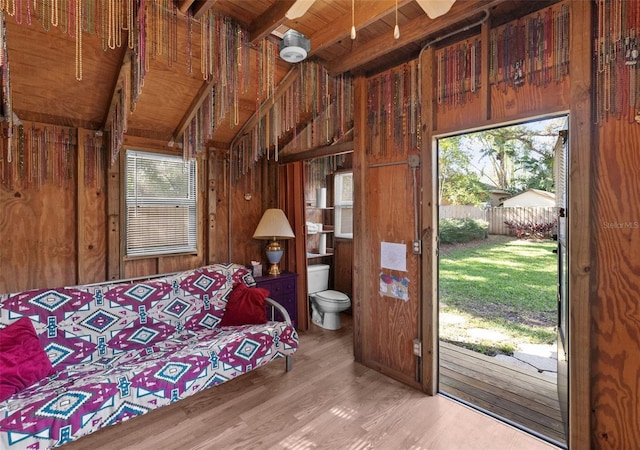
{"x":518,"y":395}
{"x":327,"y":402}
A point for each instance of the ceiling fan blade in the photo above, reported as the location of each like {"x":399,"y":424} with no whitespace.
{"x":299,"y":8}
{"x":435,"y":8}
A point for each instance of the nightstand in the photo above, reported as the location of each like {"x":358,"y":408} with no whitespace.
{"x":282,"y":288}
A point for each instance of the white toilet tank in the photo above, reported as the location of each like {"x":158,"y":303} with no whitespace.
{"x":317,"y":278}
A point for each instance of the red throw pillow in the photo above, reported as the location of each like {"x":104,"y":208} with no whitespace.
{"x":245,"y":306}
{"x":23,"y":361}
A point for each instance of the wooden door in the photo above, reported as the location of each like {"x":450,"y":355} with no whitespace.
{"x":561,"y":159}
{"x":392,"y":309}
{"x":385,"y":298}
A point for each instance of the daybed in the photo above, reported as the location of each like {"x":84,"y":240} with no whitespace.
{"x":110,"y":352}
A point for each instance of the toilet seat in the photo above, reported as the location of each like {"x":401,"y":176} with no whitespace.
{"x":332,"y":296}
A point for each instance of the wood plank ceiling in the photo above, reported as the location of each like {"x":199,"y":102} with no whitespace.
{"x":43,"y":65}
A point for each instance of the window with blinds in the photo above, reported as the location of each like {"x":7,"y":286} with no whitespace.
{"x":160,"y":204}
{"x":343,"y":205}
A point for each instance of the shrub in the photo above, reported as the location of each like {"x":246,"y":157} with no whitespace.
{"x":454,"y":231}
{"x":530,"y":230}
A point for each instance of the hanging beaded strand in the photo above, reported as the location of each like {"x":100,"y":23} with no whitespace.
{"x":5,"y":79}
{"x":616,"y":52}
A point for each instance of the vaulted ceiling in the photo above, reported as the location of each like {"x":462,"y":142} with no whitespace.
{"x":44,"y":67}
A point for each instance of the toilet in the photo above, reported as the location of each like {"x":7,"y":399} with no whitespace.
{"x":326,"y":305}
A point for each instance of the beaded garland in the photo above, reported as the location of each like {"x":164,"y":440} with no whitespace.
{"x":227,"y":61}
{"x":42,"y":154}
{"x":617,"y":60}
{"x":318,"y":169}
{"x":94,"y":159}
{"x":458,"y":73}
{"x":5,"y":80}
{"x":326,"y":100}
{"x":533,"y":50}
{"x":393,"y":111}
{"x":151,"y":30}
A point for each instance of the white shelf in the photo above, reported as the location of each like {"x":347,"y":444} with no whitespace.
{"x":318,"y":255}
{"x":316,"y":207}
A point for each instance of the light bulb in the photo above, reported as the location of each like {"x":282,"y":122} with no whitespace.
{"x":353,"y":32}
{"x":396,"y":32}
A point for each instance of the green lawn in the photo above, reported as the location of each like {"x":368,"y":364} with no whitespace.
{"x":502,"y":286}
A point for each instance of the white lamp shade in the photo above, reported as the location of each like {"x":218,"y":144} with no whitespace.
{"x":273,"y":225}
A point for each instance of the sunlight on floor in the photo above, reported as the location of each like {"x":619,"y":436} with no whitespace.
{"x":298,"y":441}
{"x":343,"y":412}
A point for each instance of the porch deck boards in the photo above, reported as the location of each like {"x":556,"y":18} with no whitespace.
{"x":522,"y":396}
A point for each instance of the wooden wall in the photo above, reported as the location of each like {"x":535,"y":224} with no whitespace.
{"x":64,"y":230}
{"x":38,"y":237}
{"x":42,"y":234}
{"x":615,"y":395}
{"x":343,"y":266}
{"x":91,"y":206}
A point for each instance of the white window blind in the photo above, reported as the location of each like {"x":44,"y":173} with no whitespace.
{"x":343,"y":205}
{"x":160,"y":204}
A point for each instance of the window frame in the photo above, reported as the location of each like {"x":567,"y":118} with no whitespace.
{"x":339,"y":204}
{"x":192,"y":203}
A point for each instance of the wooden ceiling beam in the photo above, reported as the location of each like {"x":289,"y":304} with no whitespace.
{"x":410,"y":33}
{"x":318,"y":152}
{"x":341,"y":29}
{"x":271,"y":19}
{"x":201,"y":7}
{"x":197,"y":101}
{"x":37,"y":116}
{"x":123,"y":72}
{"x":184,"y":5}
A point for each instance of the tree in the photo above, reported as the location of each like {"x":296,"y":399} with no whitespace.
{"x":459,"y":183}
{"x":520,"y":157}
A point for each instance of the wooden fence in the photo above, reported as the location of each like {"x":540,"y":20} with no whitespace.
{"x":462,"y":212}
{"x":497,"y":216}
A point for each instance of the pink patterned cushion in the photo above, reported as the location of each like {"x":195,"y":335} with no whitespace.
{"x":23,"y":362}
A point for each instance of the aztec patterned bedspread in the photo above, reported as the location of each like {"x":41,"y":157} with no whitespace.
{"x":120,"y":350}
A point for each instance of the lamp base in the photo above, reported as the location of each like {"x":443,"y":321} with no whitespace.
{"x":274,"y":269}
{"x":274,"y":254}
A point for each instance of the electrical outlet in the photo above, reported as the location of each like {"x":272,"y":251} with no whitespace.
{"x":416,"y":247}
{"x":417,"y":347}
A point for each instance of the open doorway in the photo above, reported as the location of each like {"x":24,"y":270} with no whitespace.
{"x":328,"y":199}
{"x":501,"y":204}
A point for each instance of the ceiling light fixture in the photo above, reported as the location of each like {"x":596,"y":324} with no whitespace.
{"x":294,"y":46}
{"x":435,"y":8}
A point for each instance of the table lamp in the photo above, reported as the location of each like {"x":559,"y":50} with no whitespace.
{"x":273,"y":226}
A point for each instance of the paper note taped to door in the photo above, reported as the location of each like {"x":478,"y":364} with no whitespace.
{"x":393,"y":256}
